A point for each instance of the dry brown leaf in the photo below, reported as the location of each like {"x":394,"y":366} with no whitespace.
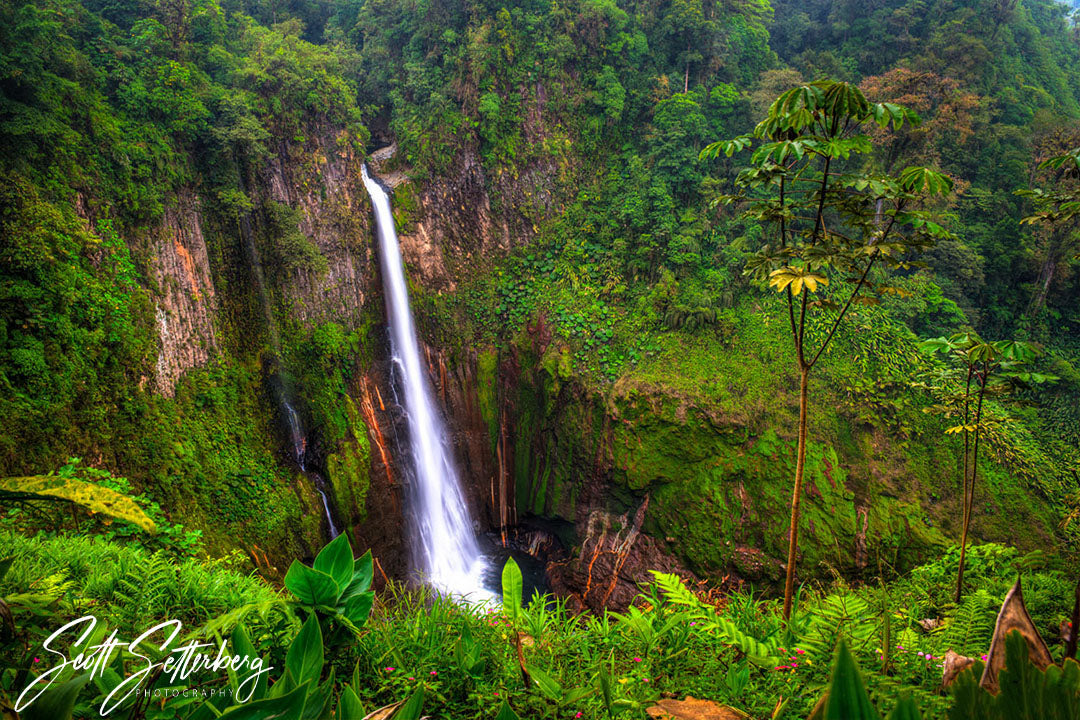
{"x":693,"y":709}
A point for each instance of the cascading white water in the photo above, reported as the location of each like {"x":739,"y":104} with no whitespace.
{"x":296,"y":434}
{"x":299,"y":442}
{"x":447,"y":549}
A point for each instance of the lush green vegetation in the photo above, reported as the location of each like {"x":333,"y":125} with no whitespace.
{"x":364,"y":651}
{"x":937,"y":209}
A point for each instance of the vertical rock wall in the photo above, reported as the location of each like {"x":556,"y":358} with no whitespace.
{"x":186,"y":302}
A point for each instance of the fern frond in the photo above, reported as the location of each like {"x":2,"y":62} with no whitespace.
{"x":676,"y":592}
{"x":968,"y":627}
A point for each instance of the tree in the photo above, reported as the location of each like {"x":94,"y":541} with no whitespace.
{"x":947,"y":111}
{"x":1058,"y":211}
{"x":832,"y":222}
{"x":981,"y":369}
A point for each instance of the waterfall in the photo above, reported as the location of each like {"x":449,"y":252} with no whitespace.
{"x":447,"y":552}
{"x":299,"y":443}
{"x":296,"y":433}
{"x":297,"y":436}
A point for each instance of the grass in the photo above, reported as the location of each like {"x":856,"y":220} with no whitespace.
{"x":730,"y":648}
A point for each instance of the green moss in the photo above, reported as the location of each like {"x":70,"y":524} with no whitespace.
{"x":406,"y":207}
{"x":207,"y":456}
{"x":487,"y":364}
{"x":349,"y":468}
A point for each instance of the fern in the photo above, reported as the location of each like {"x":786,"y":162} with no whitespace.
{"x":676,"y":592}
{"x":968,"y":628}
{"x":841,"y":615}
{"x":145,"y":593}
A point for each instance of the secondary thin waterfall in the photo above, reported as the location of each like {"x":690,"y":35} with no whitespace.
{"x":299,"y":443}
{"x":281,"y":390}
{"x":447,"y":550}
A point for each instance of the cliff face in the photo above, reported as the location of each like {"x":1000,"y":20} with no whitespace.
{"x":611,"y":480}
{"x":324,"y":183}
{"x":636,"y":475}
{"x":213,"y":337}
{"x":186,"y":302}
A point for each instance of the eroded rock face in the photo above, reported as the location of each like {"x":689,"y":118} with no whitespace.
{"x":615,"y":559}
{"x":454,"y":225}
{"x":186,"y":302}
{"x":328,"y":190}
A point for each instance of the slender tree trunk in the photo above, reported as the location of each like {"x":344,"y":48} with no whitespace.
{"x":796,"y":496}
{"x":1046,"y":278}
{"x":967,"y":449}
{"x":971,"y":491}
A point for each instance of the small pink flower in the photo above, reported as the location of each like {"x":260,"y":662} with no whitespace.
{"x":578,"y":715}
{"x":637,"y":659}
{"x":644,"y":679}
{"x":434,"y":673}
{"x":496,"y":693}
{"x":800,"y":651}
{"x":693,"y":624}
{"x":37,"y":660}
{"x":389,"y":669}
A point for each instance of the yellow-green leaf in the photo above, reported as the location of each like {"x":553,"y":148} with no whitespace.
{"x":95,"y":498}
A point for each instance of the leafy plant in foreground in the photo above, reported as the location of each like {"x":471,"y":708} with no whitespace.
{"x":764,"y":654}
{"x":336,"y":588}
{"x":1025,"y":692}
{"x":96,"y":499}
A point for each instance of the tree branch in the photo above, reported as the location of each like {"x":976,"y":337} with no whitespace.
{"x":854,"y":293}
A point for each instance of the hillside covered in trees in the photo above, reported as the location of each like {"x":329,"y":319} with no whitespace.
{"x":664,"y":258}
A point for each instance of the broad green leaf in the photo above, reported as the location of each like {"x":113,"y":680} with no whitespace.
{"x":362,"y":575}
{"x":289,"y":706}
{"x":349,"y":705}
{"x":305,"y":657}
{"x":358,"y":607}
{"x":512,"y":589}
{"x":95,"y":498}
{"x":576,"y":695}
{"x":847,"y":698}
{"x":336,"y":560}
{"x":412,"y":707}
{"x":56,"y":703}
{"x":241,"y":645}
{"x":905,"y":709}
{"x":311,"y":586}
{"x":547,"y":684}
{"x":506,"y":712}
{"x":319,"y":703}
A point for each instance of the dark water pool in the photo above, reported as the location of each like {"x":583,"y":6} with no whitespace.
{"x":534,"y":579}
